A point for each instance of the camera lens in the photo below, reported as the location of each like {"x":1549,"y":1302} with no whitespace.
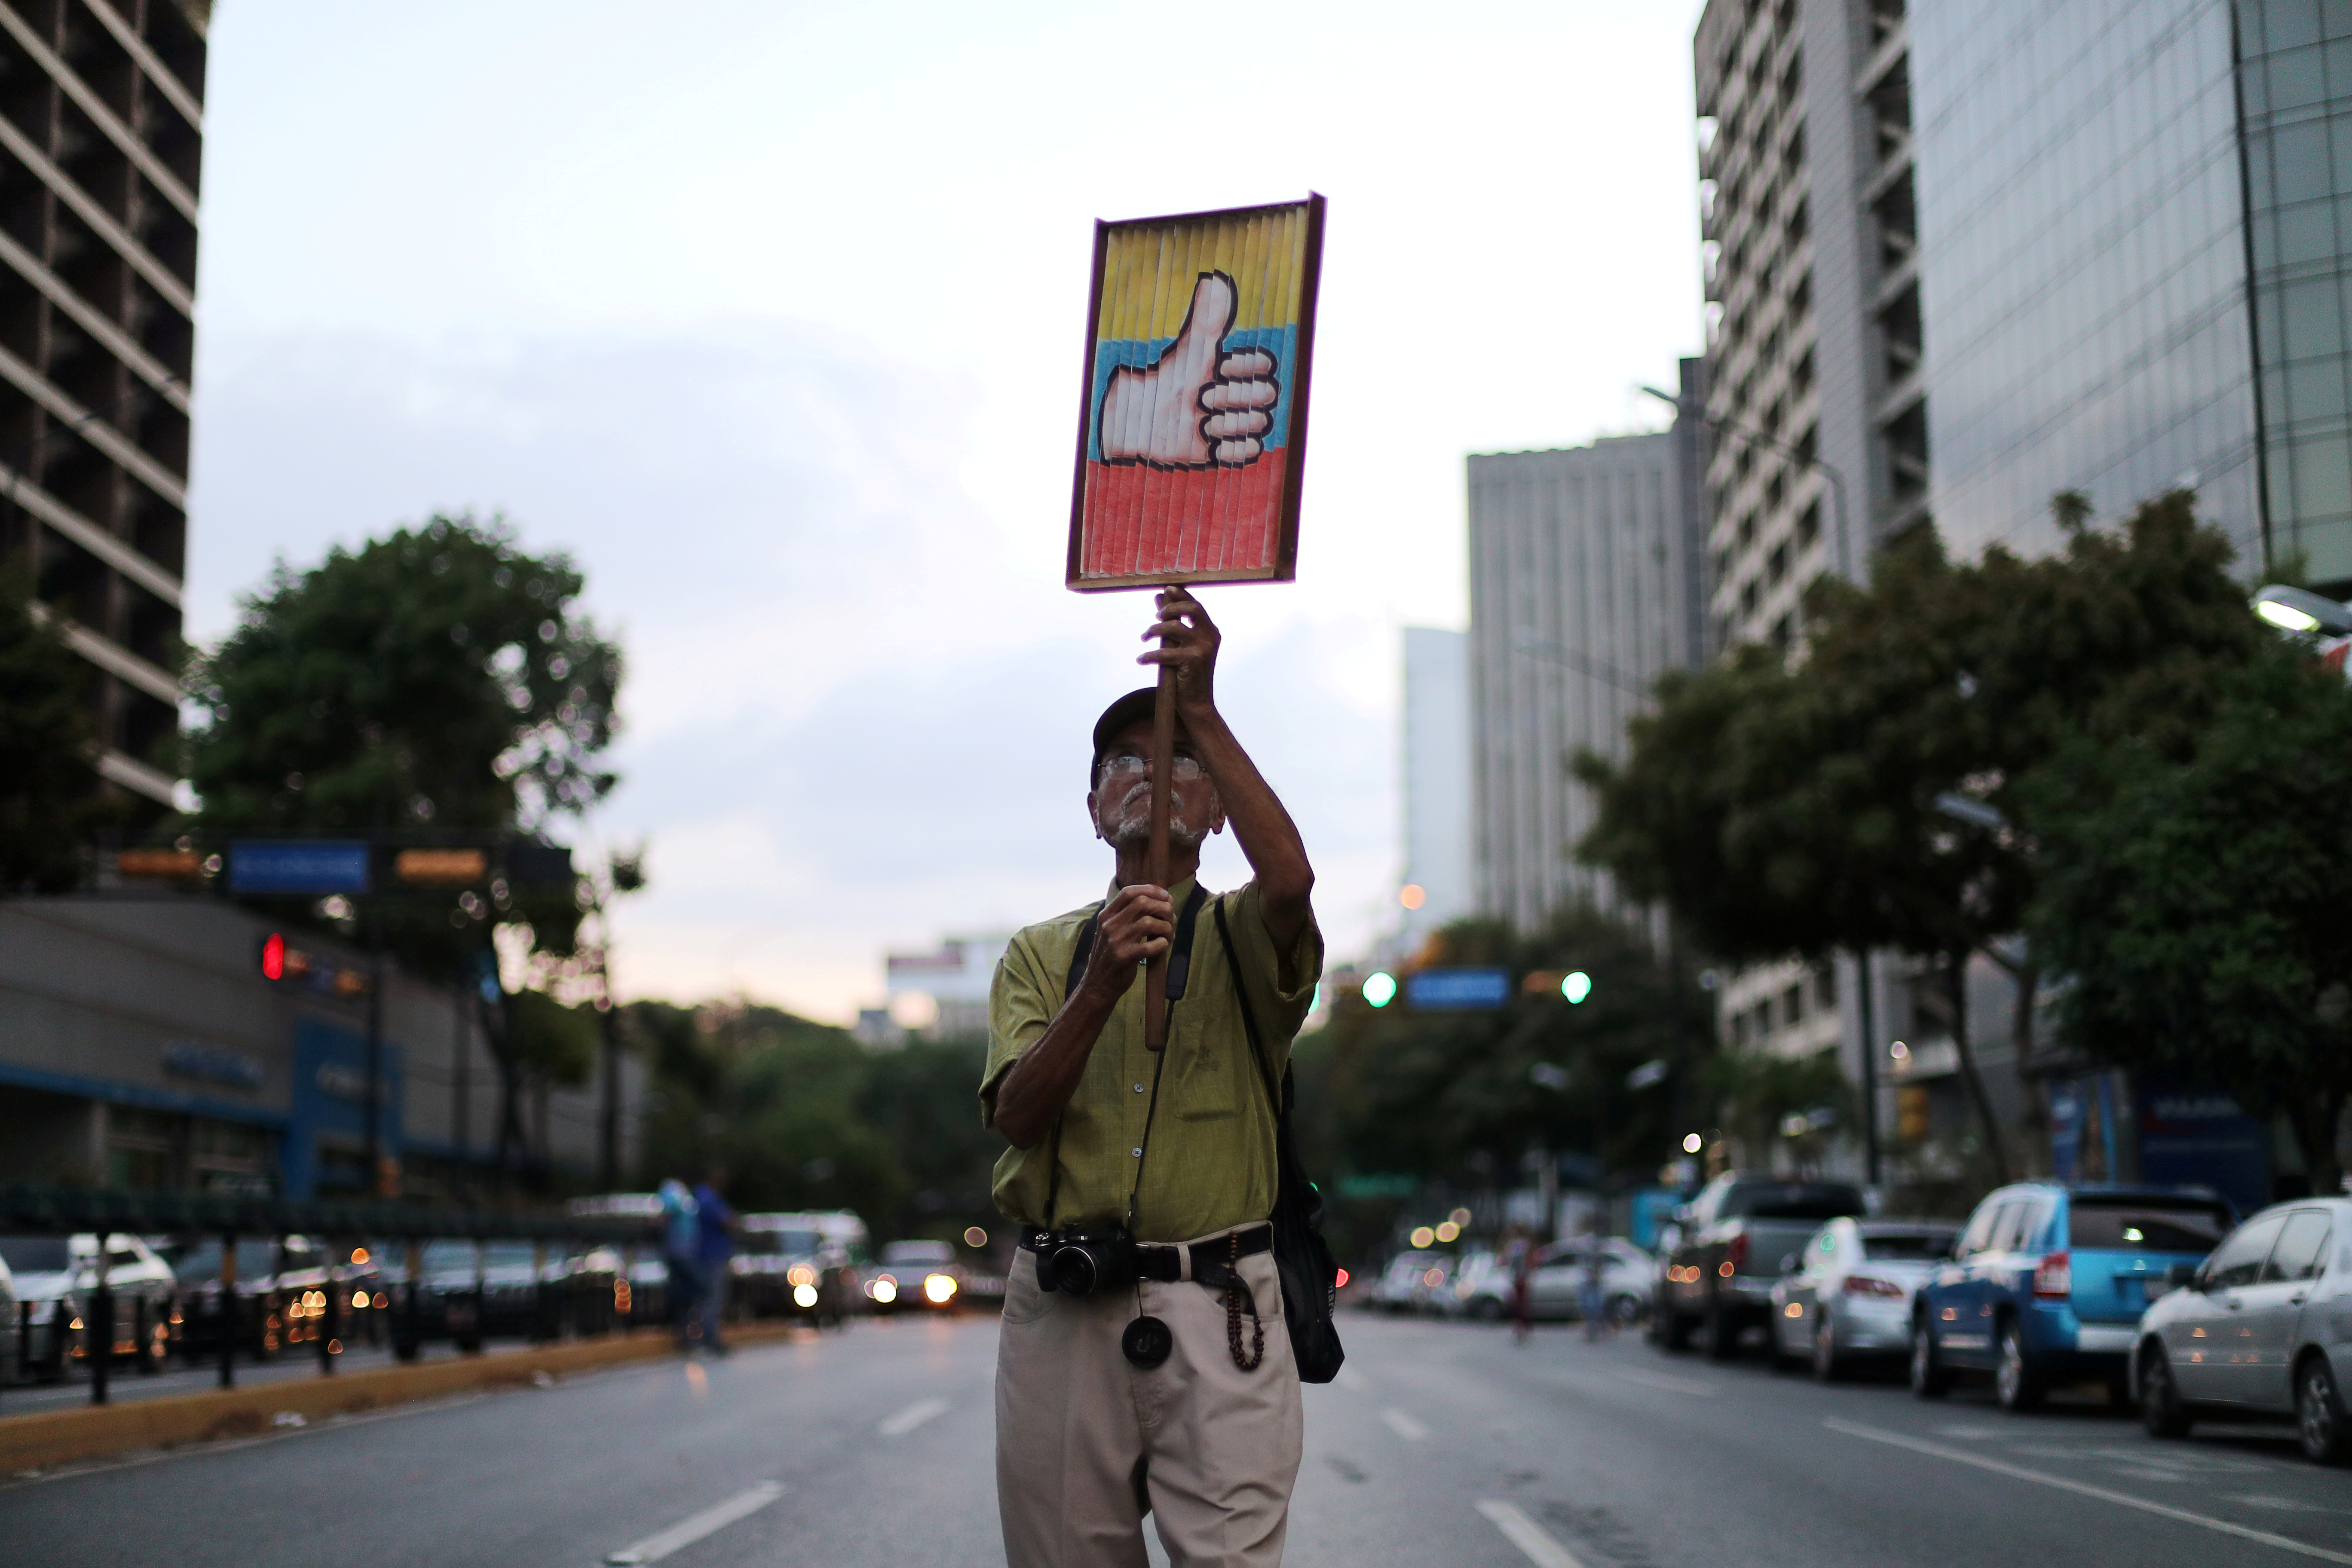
{"x":1075,"y":1272}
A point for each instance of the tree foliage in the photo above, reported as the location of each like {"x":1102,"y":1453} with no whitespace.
{"x":49,"y":802}
{"x":1800,"y":807}
{"x":2197,"y":904}
{"x":803,"y":1116}
{"x":1461,"y":1095}
{"x":438,"y":682}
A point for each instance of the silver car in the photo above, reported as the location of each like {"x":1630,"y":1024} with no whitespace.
{"x":2262,"y":1328}
{"x":1847,"y":1296}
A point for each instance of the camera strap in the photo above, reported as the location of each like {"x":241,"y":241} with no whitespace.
{"x":1179,"y":971}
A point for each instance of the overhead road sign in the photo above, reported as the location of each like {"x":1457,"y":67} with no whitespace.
{"x":298,"y":866}
{"x":449,"y":867}
{"x":1457,"y":990}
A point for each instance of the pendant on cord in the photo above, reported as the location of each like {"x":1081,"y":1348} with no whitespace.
{"x":1146,"y":1343}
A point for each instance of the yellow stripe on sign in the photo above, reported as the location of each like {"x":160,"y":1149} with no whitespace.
{"x":1149,"y":271}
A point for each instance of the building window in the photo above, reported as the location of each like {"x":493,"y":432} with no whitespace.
{"x":1792,"y":1005}
{"x":1825,"y":987}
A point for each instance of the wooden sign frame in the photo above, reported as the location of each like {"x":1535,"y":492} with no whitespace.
{"x":1298,"y":374}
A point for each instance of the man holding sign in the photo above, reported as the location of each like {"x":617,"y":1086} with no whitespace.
{"x":1144,"y":1364}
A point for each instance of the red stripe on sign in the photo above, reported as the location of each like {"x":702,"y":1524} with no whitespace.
{"x":1143,"y":522}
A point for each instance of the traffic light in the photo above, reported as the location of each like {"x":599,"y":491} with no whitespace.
{"x":282,"y":962}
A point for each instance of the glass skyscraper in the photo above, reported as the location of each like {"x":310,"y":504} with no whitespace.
{"x":2132,"y":266}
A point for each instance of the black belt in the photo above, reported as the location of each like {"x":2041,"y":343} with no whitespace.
{"x":1165,"y":1260}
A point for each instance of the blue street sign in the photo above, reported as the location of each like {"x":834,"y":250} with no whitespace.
{"x":1440,"y":990}
{"x":298,"y":866}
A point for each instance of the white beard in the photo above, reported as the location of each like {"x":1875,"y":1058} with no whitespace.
{"x":1134,"y":822}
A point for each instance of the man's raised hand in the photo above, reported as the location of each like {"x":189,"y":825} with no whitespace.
{"x":1188,"y":645}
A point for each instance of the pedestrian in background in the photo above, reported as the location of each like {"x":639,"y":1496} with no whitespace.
{"x":1590,"y":1301}
{"x":715,"y":1250}
{"x":1521,"y":1254}
{"x":681,"y":1251}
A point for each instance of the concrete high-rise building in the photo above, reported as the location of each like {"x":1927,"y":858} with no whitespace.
{"x":101,"y":137}
{"x":1437,"y":795}
{"x":1586,"y":583}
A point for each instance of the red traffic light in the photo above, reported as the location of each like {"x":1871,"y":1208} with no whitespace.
{"x":273,"y":956}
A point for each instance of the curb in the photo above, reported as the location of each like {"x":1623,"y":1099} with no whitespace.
{"x":48,"y":1438}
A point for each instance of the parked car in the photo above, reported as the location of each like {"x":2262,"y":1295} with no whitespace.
{"x":916,"y":1275}
{"x":509,"y":1289}
{"x":1629,"y":1277}
{"x":2049,"y":1282}
{"x":59,"y":1275}
{"x":1733,"y":1238}
{"x":1405,"y":1285}
{"x":1849,"y":1297}
{"x":2262,"y":1328}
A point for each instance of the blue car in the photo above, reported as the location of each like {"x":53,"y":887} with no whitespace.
{"x":2047,"y":1284}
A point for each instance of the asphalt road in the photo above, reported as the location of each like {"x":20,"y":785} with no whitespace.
{"x":1441,"y":1444}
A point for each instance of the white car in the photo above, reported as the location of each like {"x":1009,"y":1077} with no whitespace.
{"x":2262,"y":1328}
{"x":52,"y":1273}
{"x":1406,"y":1284}
{"x":1555,"y":1283}
{"x":1847,"y":1296}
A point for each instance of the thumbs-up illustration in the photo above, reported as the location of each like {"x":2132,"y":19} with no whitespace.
{"x":1196,"y":407}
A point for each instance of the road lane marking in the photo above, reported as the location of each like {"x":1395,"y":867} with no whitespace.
{"x":912,"y":1416}
{"x":2084,"y":1488}
{"x":1527,"y":1535}
{"x":687,"y":1532}
{"x":1404,"y":1425}
{"x":1671,"y":1384}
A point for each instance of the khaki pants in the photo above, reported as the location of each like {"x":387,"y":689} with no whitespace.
{"x":1085,"y":1444}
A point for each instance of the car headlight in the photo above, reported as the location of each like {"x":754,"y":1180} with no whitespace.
{"x":804,"y":1295}
{"x":886,"y":1289}
{"x":939,"y":1287}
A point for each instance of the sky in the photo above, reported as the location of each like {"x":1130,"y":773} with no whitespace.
{"x":771,"y":317}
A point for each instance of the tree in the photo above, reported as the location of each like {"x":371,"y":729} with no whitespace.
{"x":437,"y":685}
{"x":49,"y":801}
{"x":2198,"y":906}
{"x":1823,"y":814}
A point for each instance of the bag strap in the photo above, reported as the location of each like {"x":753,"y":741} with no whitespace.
{"x":1274,"y":1098}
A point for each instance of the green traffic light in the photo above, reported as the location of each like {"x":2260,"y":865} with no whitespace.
{"x":1576,"y":985}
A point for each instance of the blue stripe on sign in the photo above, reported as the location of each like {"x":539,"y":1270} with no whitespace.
{"x":298,"y":866}
{"x":1458,"y":988}
{"x":1113,"y":352}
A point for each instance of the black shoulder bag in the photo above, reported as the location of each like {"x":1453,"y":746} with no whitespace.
{"x":1310,"y":1290}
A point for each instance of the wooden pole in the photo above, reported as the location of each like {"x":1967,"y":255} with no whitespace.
{"x":1163,"y":766}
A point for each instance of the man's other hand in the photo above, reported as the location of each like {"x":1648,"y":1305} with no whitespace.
{"x":1134,"y":926}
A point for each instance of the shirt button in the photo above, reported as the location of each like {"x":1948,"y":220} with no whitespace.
{"x":1137,"y":1153}
{"x":1139,"y":1089}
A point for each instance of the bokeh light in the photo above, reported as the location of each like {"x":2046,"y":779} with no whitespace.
{"x":1423,"y":1236}
{"x":1693,"y":1142}
{"x":1411,"y":896}
{"x":1576,"y":985}
{"x":1380,"y":989}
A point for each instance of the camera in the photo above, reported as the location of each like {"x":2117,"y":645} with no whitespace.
{"x":1079,"y":1264}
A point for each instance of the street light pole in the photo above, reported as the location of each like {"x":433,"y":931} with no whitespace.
{"x":1773,"y":444}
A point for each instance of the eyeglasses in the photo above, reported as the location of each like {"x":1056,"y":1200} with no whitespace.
{"x":1127,"y":766}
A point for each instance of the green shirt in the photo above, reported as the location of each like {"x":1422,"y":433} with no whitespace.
{"x":1210,"y":1163}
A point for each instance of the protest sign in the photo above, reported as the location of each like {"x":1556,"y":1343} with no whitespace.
{"x":1193,"y":427}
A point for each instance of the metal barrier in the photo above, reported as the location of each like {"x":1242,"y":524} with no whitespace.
{"x":45,"y":1208}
